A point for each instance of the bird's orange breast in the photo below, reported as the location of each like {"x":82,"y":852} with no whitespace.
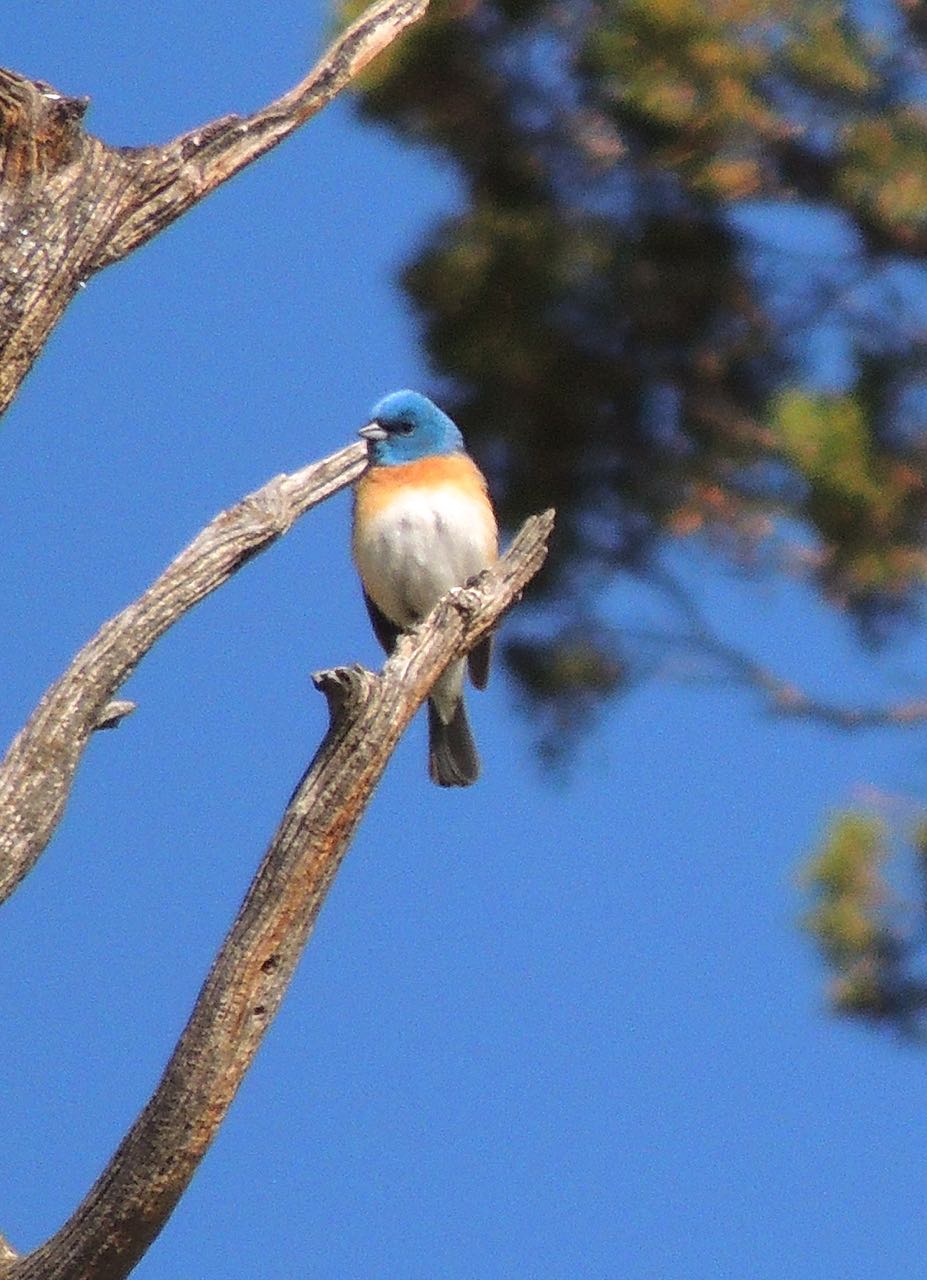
{"x":378,"y":487}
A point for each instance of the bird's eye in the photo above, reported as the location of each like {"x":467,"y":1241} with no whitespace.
{"x":404,"y":428}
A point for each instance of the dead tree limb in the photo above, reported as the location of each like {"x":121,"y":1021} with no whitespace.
{"x":37,"y":772}
{"x":135,"y":1195}
{"x":71,"y":204}
{"x":8,"y":1255}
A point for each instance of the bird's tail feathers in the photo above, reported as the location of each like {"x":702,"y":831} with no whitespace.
{"x":452,"y":756}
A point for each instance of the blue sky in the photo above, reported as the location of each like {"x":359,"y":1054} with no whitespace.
{"x":546,"y":1027}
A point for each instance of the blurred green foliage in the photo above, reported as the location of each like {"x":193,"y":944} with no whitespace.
{"x":858,"y":923}
{"x":867,"y":505}
{"x":682,"y":297}
{"x":666,"y":207}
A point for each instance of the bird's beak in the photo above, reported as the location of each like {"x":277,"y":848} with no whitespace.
{"x":373,"y":431}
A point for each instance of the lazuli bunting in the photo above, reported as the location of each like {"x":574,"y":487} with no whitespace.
{"x":423,"y":524}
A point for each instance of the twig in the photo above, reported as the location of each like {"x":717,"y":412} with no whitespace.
{"x":38,"y":771}
{"x":167,"y":180}
{"x":783,"y":697}
{"x":135,"y":1195}
{"x":114,"y":713}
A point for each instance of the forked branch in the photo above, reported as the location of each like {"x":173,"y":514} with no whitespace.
{"x":38,"y":771}
{"x":135,"y":1195}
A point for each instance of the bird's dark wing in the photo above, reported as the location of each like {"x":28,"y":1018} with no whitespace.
{"x":478,"y":662}
{"x":384,"y":630}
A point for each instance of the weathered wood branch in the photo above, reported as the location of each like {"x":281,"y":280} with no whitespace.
{"x":38,"y":770}
{"x":71,"y":204}
{"x":8,"y":1255}
{"x":135,"y":1195}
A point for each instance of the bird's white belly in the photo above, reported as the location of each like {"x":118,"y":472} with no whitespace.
{"x":412,"y":552}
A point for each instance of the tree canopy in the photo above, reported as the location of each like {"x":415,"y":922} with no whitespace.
{"x":682,"y":297}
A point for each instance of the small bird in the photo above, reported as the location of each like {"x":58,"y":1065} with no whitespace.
{"x":423,"y":523}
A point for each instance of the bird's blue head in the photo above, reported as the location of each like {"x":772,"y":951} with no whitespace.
{"x":405,"y":426}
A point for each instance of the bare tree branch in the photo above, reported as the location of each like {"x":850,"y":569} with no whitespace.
{"x":38,"y":770}
{"x":135,"y":1195}
{"x":71,"y":204}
